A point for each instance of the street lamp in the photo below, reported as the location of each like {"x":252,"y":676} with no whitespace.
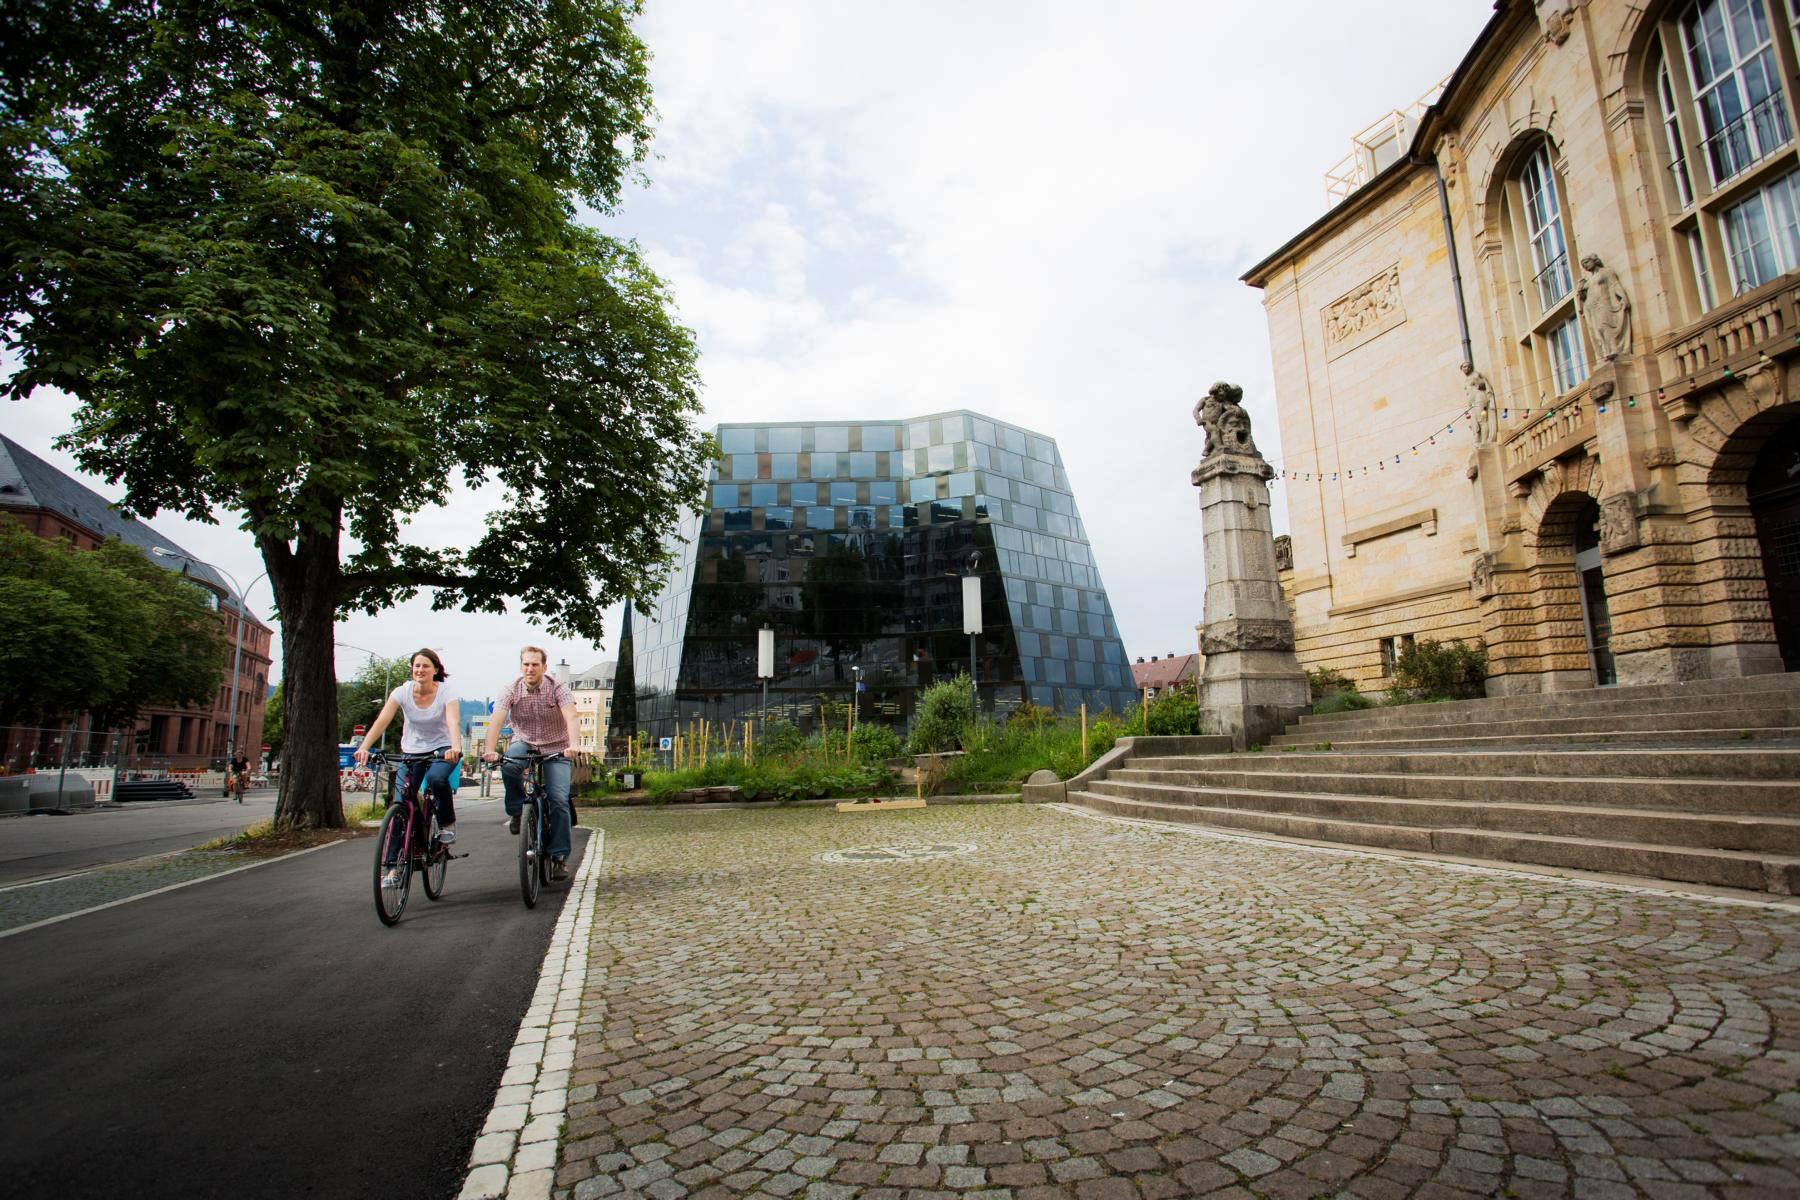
{"x":971,"y":590}
{"x":387,"y":676}
{"x":237,"y":645}
{"x":855,"y":699}
{"x":765,"y":670}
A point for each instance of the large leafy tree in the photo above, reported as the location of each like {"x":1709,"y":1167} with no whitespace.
{"x":310,"y":263}
{"x":103,"y":632}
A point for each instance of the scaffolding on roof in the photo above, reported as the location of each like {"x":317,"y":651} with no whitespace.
{"x":1377,"y":145}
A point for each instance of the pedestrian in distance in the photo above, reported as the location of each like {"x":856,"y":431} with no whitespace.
{"x":431,"y":723}
{"x":542,"y":713}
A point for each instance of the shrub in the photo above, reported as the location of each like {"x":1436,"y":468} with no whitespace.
{"x":1433,"y":670}
{"x":945,"y":710}
{"x":780,"y":739}
{"x":1325,"y":680}
{"x":1342,"y":702}
{"x":1175,"y":712}
{"x":875,"y":742}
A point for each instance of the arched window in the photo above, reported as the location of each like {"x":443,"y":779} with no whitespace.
{"x":1541,"y":264}
{"x":1724,"y":74}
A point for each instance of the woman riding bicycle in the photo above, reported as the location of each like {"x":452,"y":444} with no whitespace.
{"x":431,"y":724}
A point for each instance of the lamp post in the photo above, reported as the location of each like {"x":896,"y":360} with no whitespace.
{"x":971,"y":590}
{"x":855,"y":699}
{"x":387,"y":676}
{"x":765,"y":670}
{"x":237,"y":645}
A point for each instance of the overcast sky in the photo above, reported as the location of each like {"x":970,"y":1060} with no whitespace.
{"x":1034,"y":210}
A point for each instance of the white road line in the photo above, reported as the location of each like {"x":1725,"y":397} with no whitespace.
{"x":70,"y":916}
{"x":515,"y":1155}
{"x":1547,"y":874}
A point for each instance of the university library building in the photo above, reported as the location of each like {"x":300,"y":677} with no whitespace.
{"x":1534,"y":366}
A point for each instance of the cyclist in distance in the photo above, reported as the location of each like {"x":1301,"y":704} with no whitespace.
{"x":431,"y":724}
{"x":542,"y":710}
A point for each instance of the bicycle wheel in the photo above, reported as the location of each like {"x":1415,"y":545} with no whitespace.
{"x":437,"y":862}
{"x":528,"y":853}
{"x":392,"y":844}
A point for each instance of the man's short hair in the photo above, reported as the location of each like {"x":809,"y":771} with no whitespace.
{"x":537,"y":650}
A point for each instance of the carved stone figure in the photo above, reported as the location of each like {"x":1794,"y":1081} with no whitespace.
{"x":1558,"y":22}
{"x":1605,"y":308}
{"x":1482,"y":406}
{"x":1618,"y":524}
{"x":1481,"y":577}
{"x":1284,"y":553}
{"x":1221,"y":413}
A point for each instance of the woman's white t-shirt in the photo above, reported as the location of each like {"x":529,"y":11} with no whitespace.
{"x":425,"y":728}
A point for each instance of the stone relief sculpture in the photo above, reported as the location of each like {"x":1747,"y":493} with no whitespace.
{"x":1618,"y":524}
{"x":1482,"y":406}
{"x":1557,"y":20}
{"x":1367,"y":309}
{"x":1221,"y":413}
{"x":1481,"y":577}
{"x":1605,"y":308}
{"x":1284,"y":553}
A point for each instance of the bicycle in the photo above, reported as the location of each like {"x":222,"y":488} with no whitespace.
{"x":237,"y":784}
{"x":534,"y":864}
{"x":407,"y":841}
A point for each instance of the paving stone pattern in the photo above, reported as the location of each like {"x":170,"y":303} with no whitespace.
{"x":53,"y":898}
{"x":1079,"y":1008}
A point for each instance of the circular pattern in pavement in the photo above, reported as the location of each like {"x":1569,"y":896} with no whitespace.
{"x":905,"y":852}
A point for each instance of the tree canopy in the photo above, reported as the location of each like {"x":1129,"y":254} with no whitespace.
{"x":312,"y":264}
{"x":103,"y":632}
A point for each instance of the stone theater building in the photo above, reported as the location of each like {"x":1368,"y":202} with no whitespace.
{"x":1533,"y":369}
{"x":849,"y":540}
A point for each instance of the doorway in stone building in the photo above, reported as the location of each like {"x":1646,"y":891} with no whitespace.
{"x":1596,"y":617}
{"x":1774,"y":494}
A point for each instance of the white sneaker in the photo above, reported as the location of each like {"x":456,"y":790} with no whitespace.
{"x":446,"y":836}
{"x":391,"y":877}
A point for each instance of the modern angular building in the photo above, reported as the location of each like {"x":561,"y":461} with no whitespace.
{"x":849,"y":540}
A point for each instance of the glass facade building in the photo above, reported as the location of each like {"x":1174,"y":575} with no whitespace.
{"x":849,"y":540}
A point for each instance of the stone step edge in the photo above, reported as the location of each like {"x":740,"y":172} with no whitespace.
{"x":1419,"y":716}
{"x":1705,"y":739}
{"x":1770,"y":865}
{"x":1747,"y":686}
{"x":1645,"y":780}
{"x":1666,"y":815}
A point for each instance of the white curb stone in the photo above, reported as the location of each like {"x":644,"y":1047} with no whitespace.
{"x":515,"y":1156}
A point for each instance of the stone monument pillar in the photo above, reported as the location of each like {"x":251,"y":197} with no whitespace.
{"x":1253,"y":686}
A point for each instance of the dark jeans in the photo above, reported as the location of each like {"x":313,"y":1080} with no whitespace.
{"x":557,"y":777}
{"x":437,"y":786}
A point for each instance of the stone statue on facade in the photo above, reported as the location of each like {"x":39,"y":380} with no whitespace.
{"x":1605,"y":308}
{"x":1481,"y":577}
{"x":1284,"y":553}
{"x":1483,"y":408}
{"x":1556,"y":19}
{"x":1221,"y":413}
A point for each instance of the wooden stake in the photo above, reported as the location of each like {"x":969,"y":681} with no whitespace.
{"x":1146,"y":712}
{"x":1084,"y":733}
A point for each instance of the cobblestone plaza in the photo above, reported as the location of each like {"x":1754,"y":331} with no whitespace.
{"x":1025,"y":1001}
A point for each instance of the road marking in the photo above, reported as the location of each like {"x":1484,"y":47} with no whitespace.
{"x":70,"y":916}
{"x":1542,"y":874}
{"x":515,"y":1154}
{"x":30,"y":883}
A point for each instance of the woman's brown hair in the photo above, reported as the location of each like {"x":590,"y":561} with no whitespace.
{"x":436,"y":662}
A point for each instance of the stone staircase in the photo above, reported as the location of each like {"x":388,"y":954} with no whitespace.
{"x":1695,"y":783}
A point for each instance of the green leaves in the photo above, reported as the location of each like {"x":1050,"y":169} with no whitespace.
{"x":104,"y":632}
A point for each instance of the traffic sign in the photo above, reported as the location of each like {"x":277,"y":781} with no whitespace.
{"x":360,"y":730}
{"x":667,"y":743}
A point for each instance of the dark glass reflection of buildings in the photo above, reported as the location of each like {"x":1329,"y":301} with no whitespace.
{"x":849,"y":539}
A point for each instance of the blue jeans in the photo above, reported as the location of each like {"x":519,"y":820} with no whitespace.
{"x":558,"y":773}
{"x":437,"y":786}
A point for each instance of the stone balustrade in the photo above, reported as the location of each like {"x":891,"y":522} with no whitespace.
{"x":1541,"y":441}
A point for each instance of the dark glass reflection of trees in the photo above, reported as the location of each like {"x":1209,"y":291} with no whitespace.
{"x":880,"y":606}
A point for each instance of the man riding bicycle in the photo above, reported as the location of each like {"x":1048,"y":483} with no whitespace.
{"x":238,"y":778}
{"x":542,"y":712}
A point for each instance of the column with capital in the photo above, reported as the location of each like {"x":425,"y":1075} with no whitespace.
{"x":1253,"y":686}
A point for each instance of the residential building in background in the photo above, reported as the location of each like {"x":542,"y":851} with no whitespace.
{"x":849,"y":539}
{"x":1165,"y":671}
{"x":1533,"y":370}
{"x":593,"y":690}
{"x":54,"y":505}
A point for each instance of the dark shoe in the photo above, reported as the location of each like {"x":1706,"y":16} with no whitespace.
{"x":512,"y":823}
{"x":559,"y":869}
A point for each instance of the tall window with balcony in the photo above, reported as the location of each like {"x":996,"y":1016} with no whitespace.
{"x":1550,"y":340}
{"x":1723,"y":75}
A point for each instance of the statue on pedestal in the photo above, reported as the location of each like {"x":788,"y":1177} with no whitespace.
{"x":1221,"y":413}
{"x":1483,"y":410}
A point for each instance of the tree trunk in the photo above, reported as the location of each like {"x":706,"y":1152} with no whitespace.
{"x":307,"y":592}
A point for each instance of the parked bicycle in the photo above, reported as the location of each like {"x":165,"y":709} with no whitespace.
{"x":534,"y":864}
{"x":408,"y":840}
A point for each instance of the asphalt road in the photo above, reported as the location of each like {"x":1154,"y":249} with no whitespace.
{"x":45,"y":844}
{"x":263,"y":1035}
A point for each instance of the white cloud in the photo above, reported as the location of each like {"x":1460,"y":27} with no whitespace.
{"x":1034,"y":210}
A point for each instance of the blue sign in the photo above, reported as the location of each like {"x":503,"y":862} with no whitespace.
{"x":667,"y":743}
{"x":861,"y":686}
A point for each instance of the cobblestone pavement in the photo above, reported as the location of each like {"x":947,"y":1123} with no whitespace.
{"x":1028,"y":1003}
